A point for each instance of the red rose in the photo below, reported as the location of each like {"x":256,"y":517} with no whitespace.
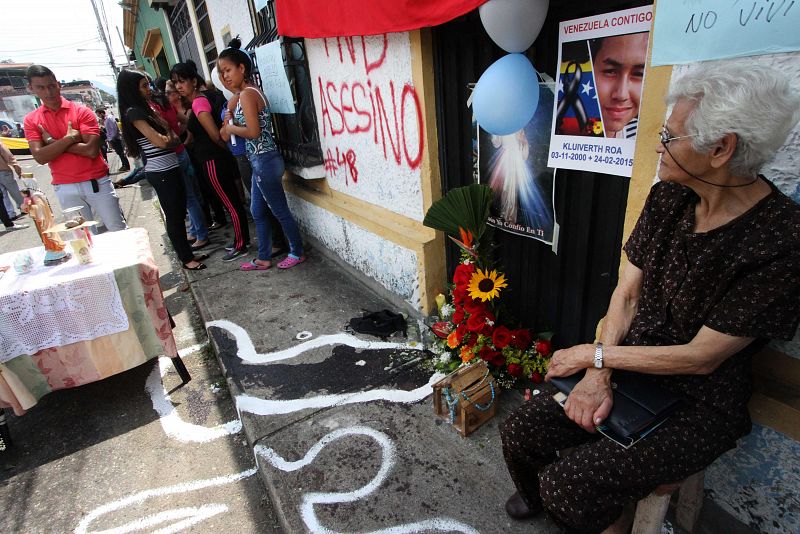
{"x":472,"y":341}
{"x":536,"y":377}
{"x":459,"y":296}
{"x":522,"y":338}
{"x":515,"y":369}
{"x":487,"y":330}
{"x":461,"y":331}
{"x":463,"y":274}
{"x":501,"y":337}
{"x":486,"y":354}
{"x":543,"y":347}
{"x":498,"y":359}
{"x":476,"y":322}
{"x":458,"y":315}
{"x":473,"y":306}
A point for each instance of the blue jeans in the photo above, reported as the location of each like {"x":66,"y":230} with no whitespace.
{"x":197,"y":221}
{"x":267,"y":194}
{"x":103,"y":203}
{"x":9,"y":190}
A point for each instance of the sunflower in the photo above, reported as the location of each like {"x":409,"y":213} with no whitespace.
{"x":486,"y":285}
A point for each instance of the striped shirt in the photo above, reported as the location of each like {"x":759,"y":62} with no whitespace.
{"x":155,"y":159}
{"x":629,"y":130}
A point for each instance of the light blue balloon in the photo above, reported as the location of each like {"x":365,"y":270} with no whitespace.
{"x":506,"y":95}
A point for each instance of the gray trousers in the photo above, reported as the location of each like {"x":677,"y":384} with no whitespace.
{"x":102,"y":204}
{"x":10,"y":188}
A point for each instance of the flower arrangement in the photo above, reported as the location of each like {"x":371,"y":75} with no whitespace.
{"x":470,"y":325}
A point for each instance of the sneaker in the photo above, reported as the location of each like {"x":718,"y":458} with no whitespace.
{"x":16,"y":227}
{"x":233,"y":254}
{"x":230,"y":247}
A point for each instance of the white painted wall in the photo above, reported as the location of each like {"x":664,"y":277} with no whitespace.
{"x":230,"y":12}
{"x":370,"y":119}
{"x":392,"y":266}
{"x":784,"y":168}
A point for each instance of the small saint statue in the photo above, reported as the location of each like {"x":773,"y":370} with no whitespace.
{"x":37,"y":206}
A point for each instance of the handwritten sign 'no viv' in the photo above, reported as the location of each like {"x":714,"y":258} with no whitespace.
{"x":686,"y":31}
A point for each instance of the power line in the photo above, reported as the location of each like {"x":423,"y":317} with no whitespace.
{"x":49,"y":47}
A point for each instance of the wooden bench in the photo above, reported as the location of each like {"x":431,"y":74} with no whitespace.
{"x":651,"y":510}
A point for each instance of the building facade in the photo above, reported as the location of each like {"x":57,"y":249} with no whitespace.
{"x":382,"y":129}
{"x":148,"y":35}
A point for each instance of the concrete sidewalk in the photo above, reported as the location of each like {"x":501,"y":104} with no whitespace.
{"x":343,"y":427}
{"x":330,"y":457}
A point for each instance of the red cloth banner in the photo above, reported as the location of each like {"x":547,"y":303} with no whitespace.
{"x":340,"y":18}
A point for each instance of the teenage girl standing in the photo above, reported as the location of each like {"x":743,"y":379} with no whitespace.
{"x":148,"y":135}
{"x":216,"y":164}
{"x":249,"y":117}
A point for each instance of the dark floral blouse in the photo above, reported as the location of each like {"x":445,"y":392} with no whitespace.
{"x":741,"y":279}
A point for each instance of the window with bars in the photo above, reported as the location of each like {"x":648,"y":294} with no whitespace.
{"x":206,"y":34}
{"x":296,"y":134}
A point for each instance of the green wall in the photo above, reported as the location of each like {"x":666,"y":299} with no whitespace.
{"x":150,"y":18}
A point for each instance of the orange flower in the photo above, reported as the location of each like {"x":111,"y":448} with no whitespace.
{"x":466,"y":237}
{"x":466,"y":354}
{"x":452,"y":340}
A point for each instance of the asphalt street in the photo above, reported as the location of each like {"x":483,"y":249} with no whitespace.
{"x":101,"y":456}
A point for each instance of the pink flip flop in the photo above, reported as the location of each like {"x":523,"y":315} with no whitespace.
{"x":253,"y":266}
{"x":291,"y":261}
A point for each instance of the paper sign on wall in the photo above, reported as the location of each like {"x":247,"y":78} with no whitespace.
{"x":685,"y":32}
{"x":273,"y":78}
{"x":601,"y":62}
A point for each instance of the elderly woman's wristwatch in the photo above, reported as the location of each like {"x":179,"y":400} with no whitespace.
{"x":598,"y":355}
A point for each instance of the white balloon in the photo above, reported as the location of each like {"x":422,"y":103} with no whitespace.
{"x":513,"y":24}
{"x":218,"y":83}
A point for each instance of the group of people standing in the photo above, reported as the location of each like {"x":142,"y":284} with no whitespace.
{"x":184,"y":136}
{"x":198,"y":117}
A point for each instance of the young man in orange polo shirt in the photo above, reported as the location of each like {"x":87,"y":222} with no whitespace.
{"x":66,"y":136}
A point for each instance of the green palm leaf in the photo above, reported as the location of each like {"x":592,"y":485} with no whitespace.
{"x":464,"y":207}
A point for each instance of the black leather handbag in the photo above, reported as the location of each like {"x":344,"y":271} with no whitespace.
{"x":640,"y":405}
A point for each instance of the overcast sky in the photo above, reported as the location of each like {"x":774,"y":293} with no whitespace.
{"x":50,"y":32}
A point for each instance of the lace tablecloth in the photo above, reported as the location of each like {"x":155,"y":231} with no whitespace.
{"x":27,"y":378}
{"x":63,"y":304}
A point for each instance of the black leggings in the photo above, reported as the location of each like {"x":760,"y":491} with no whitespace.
{"x":221,"y":174}
{"x":172,"y":197}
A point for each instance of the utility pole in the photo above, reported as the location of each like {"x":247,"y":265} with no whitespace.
{"x":127,"y":56}
{"x":105,"y":39}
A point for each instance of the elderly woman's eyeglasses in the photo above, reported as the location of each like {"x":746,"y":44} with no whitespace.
{"x":666,"y":138}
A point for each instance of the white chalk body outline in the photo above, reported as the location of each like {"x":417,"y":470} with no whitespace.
{"x":172,"y":423}
{"x":180,"y":430}
{"x":190,"y":516}
{"x":247,"y":351}
{"x":388,"y":450}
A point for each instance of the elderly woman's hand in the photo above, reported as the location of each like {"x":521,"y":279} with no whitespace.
{"x":569,"y":361}
{"x":591,"y":399}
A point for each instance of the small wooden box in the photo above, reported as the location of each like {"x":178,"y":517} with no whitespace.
{"x":467,"y":397}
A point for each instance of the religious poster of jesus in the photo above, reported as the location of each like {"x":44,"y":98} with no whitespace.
{"x":599,"y":88}
{"x":515,"y":168}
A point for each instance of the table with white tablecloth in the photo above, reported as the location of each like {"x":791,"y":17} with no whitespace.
{"x":71,"y":324}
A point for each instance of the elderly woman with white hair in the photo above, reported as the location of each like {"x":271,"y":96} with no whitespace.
{"x":713,"y":273}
